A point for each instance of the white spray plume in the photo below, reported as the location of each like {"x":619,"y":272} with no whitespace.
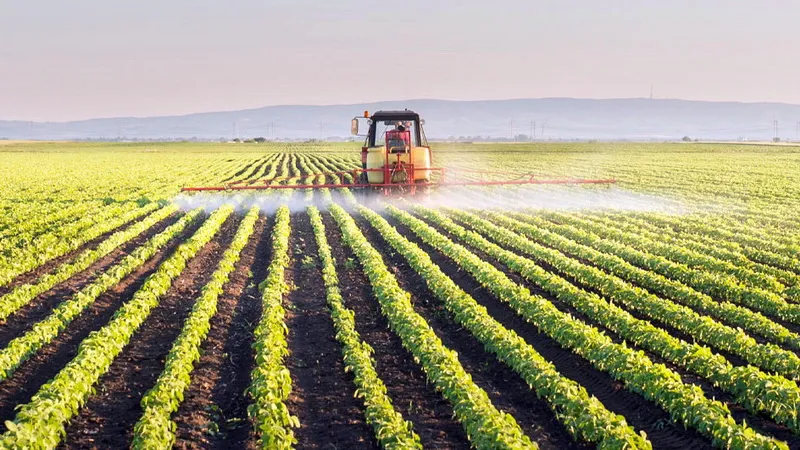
{"x":550,"y":197}
{"x":547,"y":197}
{"x":268,"y":202}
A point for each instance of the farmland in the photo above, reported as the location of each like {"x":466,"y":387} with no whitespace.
{"x":660,"y":312}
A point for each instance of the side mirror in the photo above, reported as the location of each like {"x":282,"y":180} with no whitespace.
{"x":354,"y":126}
{"x":422,"y":121}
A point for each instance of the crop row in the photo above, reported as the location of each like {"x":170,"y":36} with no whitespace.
{"x":23,"y":294}
{"x":759,"y":250}
{"x":49,"y":246}
{"x":725,"y":311}
{"x":44,"y":331}
{"x":47,"y":220}
{"x":686,"y":403}
{"x":712,"y":247}
{"x":582,"y":415}
{"x":391,"y":430}
{"x":722,"y":287}
{"x":40,"y":423}
{"x":155,"y":429}
{"x":656,"y":244}
{"x":270,"y":380}
{"x":756,"y":390}
{"x":486,"y":426}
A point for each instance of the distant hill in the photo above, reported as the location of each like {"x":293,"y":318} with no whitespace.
{"x":562,"y":118}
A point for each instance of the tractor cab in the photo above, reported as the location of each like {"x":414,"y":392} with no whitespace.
{"x":395,"y":149}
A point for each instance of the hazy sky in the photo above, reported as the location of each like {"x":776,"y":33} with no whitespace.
{"x":63,"y":60}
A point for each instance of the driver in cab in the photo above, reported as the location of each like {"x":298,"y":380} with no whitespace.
{"x":399,"y":139}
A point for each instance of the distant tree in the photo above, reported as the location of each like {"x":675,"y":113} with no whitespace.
{"x":237,"y":140}
{"x":260,"y":140}
{"x":686,"y":139}
{"x":776,"y":139}
{"x":249,"y":141}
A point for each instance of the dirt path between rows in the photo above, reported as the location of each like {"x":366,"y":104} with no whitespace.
{"x":214,"y":411}
{"x":407,"y":386}
{"x":46,"y":363}
{"x":507,"y":390}
{"x":107,"y":418}
{"x":323,"y":394}
{"x":639,"y":412}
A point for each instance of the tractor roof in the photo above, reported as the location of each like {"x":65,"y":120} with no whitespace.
{"x":395,"y":115}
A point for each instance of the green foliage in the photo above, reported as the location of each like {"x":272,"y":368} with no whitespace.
{"x":686,"y":403}
{"x":391,"y":431}
{"x":751,"y":387}
{"x":41,"y":422}
{"x":486,"y":426}
{"x":582,"y":415}
{"x":270,"y":381}
{"x":23,"y":294}
{"x":155,"y":429}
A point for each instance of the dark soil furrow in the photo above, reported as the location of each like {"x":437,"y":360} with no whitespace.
{"x":734,"y":359}
{"x":641,"y":413}
{"x":42,"y":305}
{"x":48,"y":361}
{"x":107,"y":418}
{"x":322,"y":392}
{"x":406,"y":384}
{"x":507,"y":390}
{"x":214,"y":411}
{"x":764,"y":424}
{"x":47,"y":266}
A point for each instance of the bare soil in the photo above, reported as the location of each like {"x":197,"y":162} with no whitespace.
{"x":43,"y":304}
{"x":507,"y":390}
{"x":107,"y":418}
{"x":214,"y":411}
{"x":49,"y":360}
{"x":411,"y":394}
{"x":323,"y":394}
{"x":639,"y":412}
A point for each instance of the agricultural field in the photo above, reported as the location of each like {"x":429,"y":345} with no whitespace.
{"x":659,"y":312}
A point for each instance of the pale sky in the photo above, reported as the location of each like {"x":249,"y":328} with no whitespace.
{"x":65,"y":60}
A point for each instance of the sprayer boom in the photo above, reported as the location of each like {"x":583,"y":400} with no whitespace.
{"x":402,"y":179}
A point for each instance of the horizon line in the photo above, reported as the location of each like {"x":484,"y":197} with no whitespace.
{"x":295,"y":105}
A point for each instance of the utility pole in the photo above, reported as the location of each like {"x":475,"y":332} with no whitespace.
{"x":533,"y":126}
{"x":775,"y":129}
{"x":512,"y":130}
{"x":235,"y":130}
{"x":543,"y":129}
